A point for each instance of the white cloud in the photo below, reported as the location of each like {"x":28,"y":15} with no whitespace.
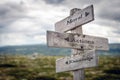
{"x":20,"y":39}
{"x":26,"y":21}
{"x":96,"y":30}
{"x":102,"y":31}
{"x":12,"y":39}
{"x":30,"y":29}
{"x":40,"y":39}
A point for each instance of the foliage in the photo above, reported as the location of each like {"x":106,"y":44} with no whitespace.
{"x":20,"y":67}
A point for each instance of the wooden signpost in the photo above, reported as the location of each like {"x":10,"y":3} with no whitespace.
{"x":78,"y":18}
{"x":76,"y":41}
{"x":88,"y":59}
{"x":83,"y":46}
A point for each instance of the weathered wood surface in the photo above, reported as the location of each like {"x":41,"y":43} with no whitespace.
{"x":79,"y":18}
{"x":79,"y":74}
{"x":88,"y":59}
{"x":76,"y":41}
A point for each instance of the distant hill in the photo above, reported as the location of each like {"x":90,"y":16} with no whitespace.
{"x":30,"y":49}
{"x":114,"y":49}
{"x":44,"y":50}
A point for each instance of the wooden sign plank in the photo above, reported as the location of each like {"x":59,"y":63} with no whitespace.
{"x":86,"y":60}
{"x":76,"y":41}
{"x":79,"y":18}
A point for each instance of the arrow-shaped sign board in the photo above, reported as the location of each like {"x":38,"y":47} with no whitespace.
{"x":79,"y":18}
{"x":88,"y":59}
{"x":76,"y":41}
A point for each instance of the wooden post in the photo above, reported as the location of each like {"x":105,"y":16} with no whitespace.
{"x":77,"y":74}
{"x":78,"y":60}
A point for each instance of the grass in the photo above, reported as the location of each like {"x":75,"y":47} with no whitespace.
{"x":108,"y":69}
{"x":43,"y":68}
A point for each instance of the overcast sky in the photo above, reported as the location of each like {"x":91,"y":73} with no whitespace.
{"x":26,"y":21}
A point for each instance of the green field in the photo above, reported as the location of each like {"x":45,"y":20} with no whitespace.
{"x":19,"y":67}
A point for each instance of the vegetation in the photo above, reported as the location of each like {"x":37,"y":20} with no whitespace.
{"x":19,"y":67}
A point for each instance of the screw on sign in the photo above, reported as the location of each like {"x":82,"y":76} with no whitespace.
{"x":83,"y":46}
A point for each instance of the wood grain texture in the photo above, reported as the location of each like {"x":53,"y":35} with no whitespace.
{"x":88,"y":59}
{"x":78,"y":18}
{"x":79,"y":74}
{"x":76,"y":41}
